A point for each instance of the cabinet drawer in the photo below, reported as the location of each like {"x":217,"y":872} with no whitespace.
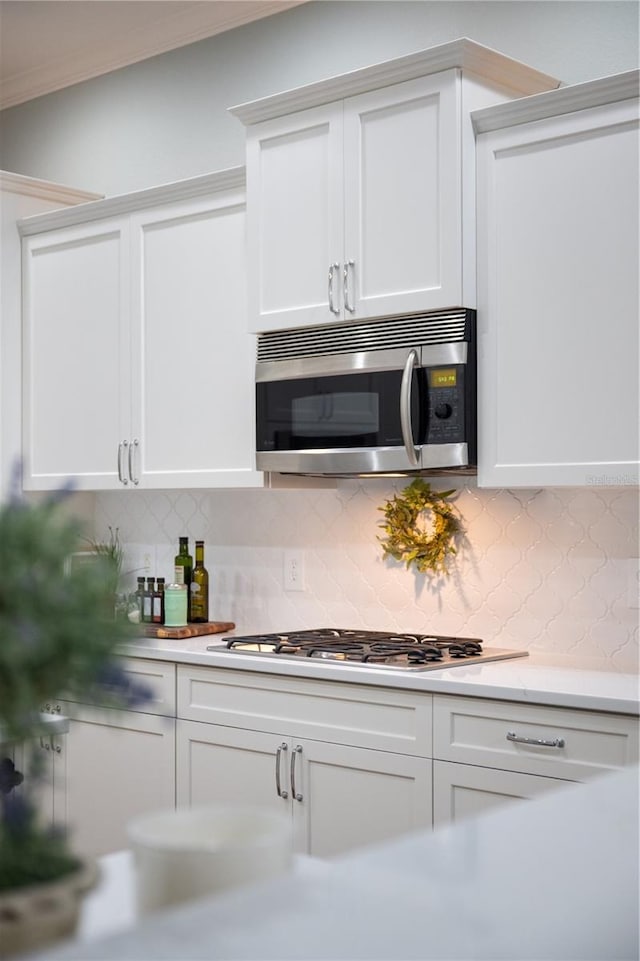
{"x":157,"y":676}
{"x":577,"y":744}
{"x":461,"y":791}
{"x":160,"y":677}
{"x":386,"y":720}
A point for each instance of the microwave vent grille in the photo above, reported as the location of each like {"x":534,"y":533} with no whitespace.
{"x":436,"y":327}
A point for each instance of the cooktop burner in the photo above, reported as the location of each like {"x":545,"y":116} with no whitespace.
{"x":369,"y":648}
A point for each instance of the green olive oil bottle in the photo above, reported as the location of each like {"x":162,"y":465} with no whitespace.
{"x":199,"y":588}
{"x":183,"y":567}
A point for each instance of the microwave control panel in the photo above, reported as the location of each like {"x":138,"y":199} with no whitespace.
{"x":446,"y":405}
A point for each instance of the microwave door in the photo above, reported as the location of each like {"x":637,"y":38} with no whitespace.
{"x":338,"y":415}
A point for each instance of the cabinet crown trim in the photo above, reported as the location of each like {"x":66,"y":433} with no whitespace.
{"x":44,"y":189}
{"x":463,"y":53}
{"x":554,"y":103}
{"x":231,"y":178}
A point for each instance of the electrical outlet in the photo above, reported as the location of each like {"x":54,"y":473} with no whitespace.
{"x":294,"y":570}
{"x":146,"y":561}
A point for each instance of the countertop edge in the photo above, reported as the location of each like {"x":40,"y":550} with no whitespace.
{"x":516,"y":680}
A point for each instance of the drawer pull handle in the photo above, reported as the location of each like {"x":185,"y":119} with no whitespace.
{"x":281,"y":793}
{"x":297,"y":750}
{"x":537,"y":741}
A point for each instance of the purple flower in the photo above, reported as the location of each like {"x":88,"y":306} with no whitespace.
{"x":16,"y":813}
{"x":114,"y":681}
{"x":9,"y":777}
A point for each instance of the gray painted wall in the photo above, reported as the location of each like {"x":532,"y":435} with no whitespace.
{"x":165,"y":118}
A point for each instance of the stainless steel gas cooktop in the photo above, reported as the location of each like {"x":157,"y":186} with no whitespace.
{"x":380,"y":649}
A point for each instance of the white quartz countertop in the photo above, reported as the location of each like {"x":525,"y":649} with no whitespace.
{"x":534,"y":679}
{"x":554,"y":878}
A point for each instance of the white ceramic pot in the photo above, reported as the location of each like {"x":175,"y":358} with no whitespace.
{"x":194,"y":852}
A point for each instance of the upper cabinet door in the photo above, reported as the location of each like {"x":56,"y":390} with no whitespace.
{"x":76,"y":356}
{"x":295,"y":219}
{"x":403,"y":222}
{"x":558,"y":299}
{"x":361,"y":187}
{"x":193,"y":360}
{"x":139,"y":371}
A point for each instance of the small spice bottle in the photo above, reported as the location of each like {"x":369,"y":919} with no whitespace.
{"x":140,"y":599}
{"x":158,"y":602}
{"x":147,"y":601}
{"x":175,"y":605}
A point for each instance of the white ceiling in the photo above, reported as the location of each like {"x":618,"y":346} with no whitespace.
{"x":49,"y":44}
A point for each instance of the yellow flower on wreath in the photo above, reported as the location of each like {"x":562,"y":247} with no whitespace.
{"x":406,"y":540}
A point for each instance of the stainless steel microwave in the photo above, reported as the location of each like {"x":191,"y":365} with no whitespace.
{"x":390,"y":396}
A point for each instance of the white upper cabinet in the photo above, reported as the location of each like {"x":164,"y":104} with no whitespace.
{"x":403,"y":219}
{"x":193,"y":361}
{"x":558,"y":294}
{"x":138,"y":364}
{"x":76,"y":365}
{"x":362,"y":204}
{"x":19,"y":197}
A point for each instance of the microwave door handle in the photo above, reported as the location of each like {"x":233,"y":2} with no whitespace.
{"x":413,"y":453}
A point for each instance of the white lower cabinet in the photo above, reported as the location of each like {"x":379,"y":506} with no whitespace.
{"x":339,"y":797}
{"x":350,"y":764}
{"x":349,"y":797}
{"x":111,"y":765}
{"x":116,"y":765}
{"x":41,"y":763}
{"x":462,"y":790}
{"x":318,"y":750}
{"x":488,"y":752}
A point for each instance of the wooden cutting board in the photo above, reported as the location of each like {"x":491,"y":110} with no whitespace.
{"x":189,"y":630}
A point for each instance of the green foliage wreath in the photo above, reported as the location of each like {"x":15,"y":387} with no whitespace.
{"x":406,"y":541}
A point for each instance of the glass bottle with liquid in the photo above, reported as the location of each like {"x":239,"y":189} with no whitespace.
{"x":175,"y":605}
{"x":199,"y":588}
{"x":157,"y":615}
{"x":147,"y":601}
{"x":140,"y":599}
{"x":183,"y":566}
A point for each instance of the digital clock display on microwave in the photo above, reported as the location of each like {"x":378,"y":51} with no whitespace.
{"x":442,"y":377}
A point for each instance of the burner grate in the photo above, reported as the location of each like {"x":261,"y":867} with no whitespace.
{"x":360,"y":646}
{"x":374,"y":649}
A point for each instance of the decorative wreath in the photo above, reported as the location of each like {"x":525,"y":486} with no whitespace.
{"x":406,"y":541}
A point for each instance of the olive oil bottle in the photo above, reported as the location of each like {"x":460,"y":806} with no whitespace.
{"x":183,"y":566}
{"x":199,"y":588}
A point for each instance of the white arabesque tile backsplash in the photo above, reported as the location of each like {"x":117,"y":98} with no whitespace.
{"x":543,"y":570}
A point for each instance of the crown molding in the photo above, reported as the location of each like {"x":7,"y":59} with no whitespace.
{"x":488,"y":64}
{"x":193,"y":187}
{"x":579,"y":96}
{"x":44,"y":189}
{"x":196,"y":22}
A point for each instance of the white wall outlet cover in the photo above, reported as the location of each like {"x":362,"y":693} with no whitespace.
{"x":293,"y":570}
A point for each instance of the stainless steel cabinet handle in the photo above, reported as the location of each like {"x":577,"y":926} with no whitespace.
{"x":297,"y":750}
{"x":405,"y":408}
{"x":332,"y":306}
{"x":280,"y":792}
{"x":345,"y":286}
{"x":538,"y":742}
{"x":134,"y":480}
{"x":121,"y":477}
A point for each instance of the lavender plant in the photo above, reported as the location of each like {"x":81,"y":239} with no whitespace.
{"x":58,"y":638}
